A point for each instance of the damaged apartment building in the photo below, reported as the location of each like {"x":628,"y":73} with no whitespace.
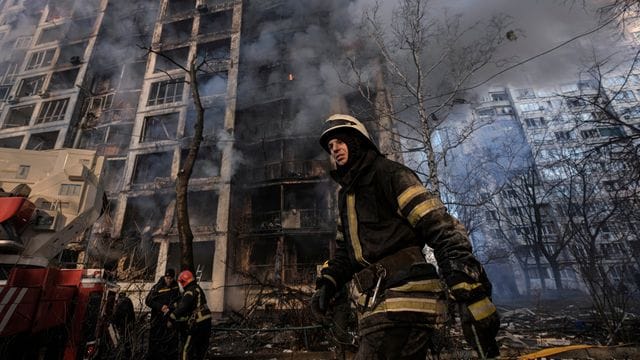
{"x":109,"y":75}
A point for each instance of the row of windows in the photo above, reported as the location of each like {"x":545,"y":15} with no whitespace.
{"x":50,"y":111}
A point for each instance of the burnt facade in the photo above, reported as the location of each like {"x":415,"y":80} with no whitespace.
{"x":109,"y":75}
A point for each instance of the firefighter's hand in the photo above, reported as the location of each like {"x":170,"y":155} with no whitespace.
{"x":464,"y":289}
{"x":480,"y":325}
{"x":165,"y":309}
{"x":321,"y":299}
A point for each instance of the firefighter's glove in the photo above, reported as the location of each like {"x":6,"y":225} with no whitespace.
{"x":322,"y":298}
{"x":480,"y":325}
{"x":465,"y":289}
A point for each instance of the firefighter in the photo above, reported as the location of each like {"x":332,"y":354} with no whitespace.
{"x":386,"y":218}
{"x":193,"y":309}
{"x":123,"y":319}
{"x":163,"y":339}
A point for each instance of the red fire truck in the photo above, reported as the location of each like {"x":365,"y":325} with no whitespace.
{"x":49,"y":199}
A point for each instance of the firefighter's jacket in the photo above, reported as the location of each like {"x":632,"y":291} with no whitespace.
{"x":161,"y":294}
{"x":386,"y":218}
{"x":192,"y":306}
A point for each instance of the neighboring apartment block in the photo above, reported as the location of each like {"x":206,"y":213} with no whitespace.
{"x":570,"y":199}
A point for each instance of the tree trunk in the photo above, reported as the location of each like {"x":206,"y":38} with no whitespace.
{"x":555,"y":269}
{"x":185,"y":234}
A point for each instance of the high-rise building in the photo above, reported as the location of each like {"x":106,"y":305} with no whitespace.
{"x":112,"y":75}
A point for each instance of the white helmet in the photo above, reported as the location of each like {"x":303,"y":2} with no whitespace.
{"x":340,"y":122}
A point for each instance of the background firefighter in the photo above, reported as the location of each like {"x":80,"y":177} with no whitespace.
{"x":123,"y":319}
{"x":163,"y":339}
{"x":193,"y":309}
{"x":386,"y":218}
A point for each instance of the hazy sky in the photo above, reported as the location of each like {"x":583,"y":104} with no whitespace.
{"x":541,"y":25}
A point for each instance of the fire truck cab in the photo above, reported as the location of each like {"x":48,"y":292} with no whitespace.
{"x":47,"y":200}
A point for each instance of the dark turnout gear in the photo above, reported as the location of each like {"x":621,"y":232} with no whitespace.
{"x":163,"y":340}
{"x":123,"y":319}
{"x":193,"y":309}
{"x":386,"y":218}
{"x":322,"y":297}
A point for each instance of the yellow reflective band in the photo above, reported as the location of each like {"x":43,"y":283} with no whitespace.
{"x":465,"y":286}
{"x":482,"y":309}
{"x":353,"y":229}
{"x":410,"y":194}
{"x":427,"y":306}
{"x":185,"y":348}
{"x":419,"y":286}
{"x":164,"y":290}
{"x":422,"y":209}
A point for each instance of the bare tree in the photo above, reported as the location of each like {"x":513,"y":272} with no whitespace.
{"x":426,"y":62}
{"x":199,"y":66}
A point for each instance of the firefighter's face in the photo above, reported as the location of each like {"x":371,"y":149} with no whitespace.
{"x":339,"y":151}
{"x":168,"y":280}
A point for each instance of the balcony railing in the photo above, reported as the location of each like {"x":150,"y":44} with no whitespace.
{"x":295,"y":219}
{"x":289,"y":170}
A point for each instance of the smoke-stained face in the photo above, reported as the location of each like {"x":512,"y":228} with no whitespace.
{"x":339,"y":151}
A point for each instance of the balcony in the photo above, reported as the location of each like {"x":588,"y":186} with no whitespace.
{"x":294,"y":219}
{"x":304,"y":169}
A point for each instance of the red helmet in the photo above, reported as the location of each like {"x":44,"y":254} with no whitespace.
{"x":185,"y":278}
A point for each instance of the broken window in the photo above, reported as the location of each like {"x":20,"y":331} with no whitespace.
{"x":51,"y":34}
{"x":4,"y":92}
{"x":147,"y":214}
{"x":176,"y":32}
{"x":262,"y":258}
{"x":213,"y":84}
{"x":148,"y":167}
{"x":91,"y":138}
{"x":213,"y":52}
{"x":305,"y":207}
{"x":11,"y":142}
{"x":8,"y":73}
{"x":110,"y":140}
{"x":60,"y":9}
{"x":179,"y":6}
{"x":23,"y":42}
{"x":113,"y":175}
{"x":103,"y":81}
{"x":31,"y":86}
{"x":203,"y":209}
{"x":160,"y":127}
{"x":164,"y":92}
{"x":97,"y":104}
{"x":71,"y":54}
{"x":167,"y":60}
{"x":19,"y":116}
{"x":216,"y":22}
{"x":79,"y":29}
{"x":52,"y":111}
{"x":203,"y":253}
{"x":213,"y":121}
{"x":207,"y":163}
{"x":40,"y":59}
{"x":265,"y":211}
{"x":43,"y":141}
{"x":62,"y":80}
{"x":133,"y":75}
